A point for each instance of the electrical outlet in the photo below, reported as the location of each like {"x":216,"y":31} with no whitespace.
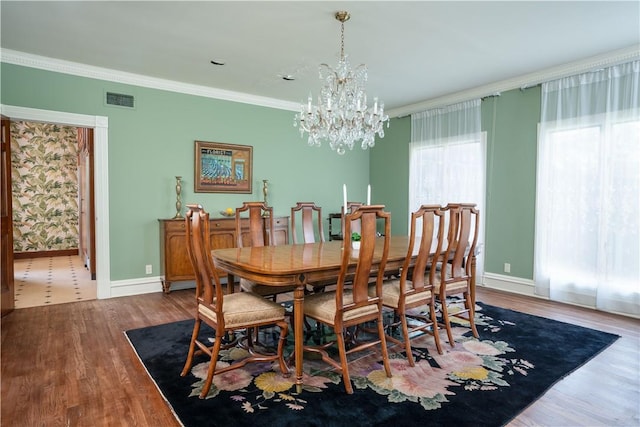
{"x":148,"y":269}
{"x":507,"y":267}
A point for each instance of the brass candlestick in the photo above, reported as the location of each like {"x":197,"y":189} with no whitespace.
{"x":265,"y":191}
{"x":178,"y":199}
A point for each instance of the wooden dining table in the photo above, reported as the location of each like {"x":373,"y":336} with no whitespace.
{"x":299,"y":265}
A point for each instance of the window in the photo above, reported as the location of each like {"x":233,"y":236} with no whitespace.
{"x":448,"y":161}
{"x":587,"y":248}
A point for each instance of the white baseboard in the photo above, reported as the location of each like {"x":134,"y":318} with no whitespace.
{"x":147,"y":285}
{"x":516,"y":285}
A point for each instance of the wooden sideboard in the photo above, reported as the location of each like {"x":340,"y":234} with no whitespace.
{"x":175,"y":265}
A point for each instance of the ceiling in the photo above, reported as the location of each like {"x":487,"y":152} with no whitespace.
{"x":415,"y":51}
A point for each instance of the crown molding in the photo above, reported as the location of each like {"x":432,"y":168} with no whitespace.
{"x":630,"y":53}
{"x":522,"y":82}
{"x":73,"y":68}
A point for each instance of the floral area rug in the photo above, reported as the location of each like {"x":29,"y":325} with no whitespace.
{"x":480,"y":382}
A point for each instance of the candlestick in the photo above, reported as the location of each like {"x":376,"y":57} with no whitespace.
{"x":265,"y":191}
{"x":178,"y":199}
{"x":344,"y":196}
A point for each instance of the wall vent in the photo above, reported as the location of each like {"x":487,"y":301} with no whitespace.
{"x":120,"y":99}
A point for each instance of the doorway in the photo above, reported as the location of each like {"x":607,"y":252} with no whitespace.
{"x":53,"y":205}
{"x":99,"y":124}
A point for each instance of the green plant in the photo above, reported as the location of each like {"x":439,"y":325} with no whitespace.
{"x":355,"y":237}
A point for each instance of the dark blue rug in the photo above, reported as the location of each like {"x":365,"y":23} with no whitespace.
{"x":485,"y":382}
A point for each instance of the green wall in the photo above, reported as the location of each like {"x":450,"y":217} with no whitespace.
{"x":390,"y":173}
{"x":510,"y":121}
{"x":151,"y":144}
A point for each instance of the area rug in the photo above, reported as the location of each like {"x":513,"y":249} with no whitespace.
{"x":480,"y":382}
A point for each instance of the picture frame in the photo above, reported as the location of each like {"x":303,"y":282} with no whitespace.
{"x":223,"y":168}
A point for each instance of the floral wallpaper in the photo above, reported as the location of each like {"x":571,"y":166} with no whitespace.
{"x":44,"y":164}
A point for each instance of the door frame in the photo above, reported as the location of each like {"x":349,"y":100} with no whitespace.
{"x":100,"y":126}
{"x":6,"y":252}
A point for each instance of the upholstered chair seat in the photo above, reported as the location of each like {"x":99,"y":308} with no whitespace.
{"x":322,"y":307}
{"x":391,"y":294}
{"x":243,"y":309}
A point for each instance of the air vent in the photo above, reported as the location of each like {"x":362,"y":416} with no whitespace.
{"x":119,"y":99}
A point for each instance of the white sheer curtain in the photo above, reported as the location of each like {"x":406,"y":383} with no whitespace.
{"x":587,"y":238}
{"x":448,"y":160}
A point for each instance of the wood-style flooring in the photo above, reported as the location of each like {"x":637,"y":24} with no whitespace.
{"x":71,"y":365}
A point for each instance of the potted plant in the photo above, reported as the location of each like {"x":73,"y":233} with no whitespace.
{"x":355,"y":241}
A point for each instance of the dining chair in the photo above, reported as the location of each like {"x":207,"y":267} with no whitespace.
{"x":414,"y":288}
{"x":310,"y":233}
{"x":225,"y":313}
{"x":355,"y":225}
{"x":260,"y":223}
{"x":259,"y":232}
{"x":457,"y":267}
{"x":344,"y":307}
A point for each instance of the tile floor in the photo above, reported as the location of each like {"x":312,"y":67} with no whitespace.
{"x":52,"y":280}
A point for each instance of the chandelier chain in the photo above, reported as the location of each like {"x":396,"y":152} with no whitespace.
{"x":342,"y":40}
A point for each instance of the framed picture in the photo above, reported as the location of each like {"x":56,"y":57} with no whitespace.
{"x":223,"y":168}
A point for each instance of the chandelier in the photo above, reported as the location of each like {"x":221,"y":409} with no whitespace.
{"x":342,"y":116}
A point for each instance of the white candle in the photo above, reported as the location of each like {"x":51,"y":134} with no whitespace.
{"x":344,"y":195}
{"x":369,"y":194}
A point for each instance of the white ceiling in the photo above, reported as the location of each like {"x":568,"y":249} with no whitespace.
{"x":415,"y":51}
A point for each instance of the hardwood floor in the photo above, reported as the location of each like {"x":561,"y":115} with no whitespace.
{"x":71,"y":365}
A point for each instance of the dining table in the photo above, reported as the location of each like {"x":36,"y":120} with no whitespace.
{"x":301,"y":265}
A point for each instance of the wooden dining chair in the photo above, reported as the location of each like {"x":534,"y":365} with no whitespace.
{"x":224,"y":313}
{"x":309,"y":214}
{"x":259,"y":233}
{"x":260,"y":223}
{"x":355,"y":225}
{"x":346,"y":307}
{"x":311,"y":230}
{"x":457,"y":266}
{"x":414,"y":288}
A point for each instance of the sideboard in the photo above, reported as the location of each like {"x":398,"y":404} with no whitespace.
{"x":175,"y":265}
